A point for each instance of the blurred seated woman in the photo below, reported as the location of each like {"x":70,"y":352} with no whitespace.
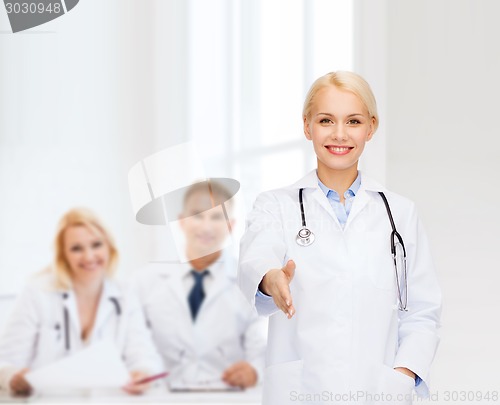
{"x":72,"y":304}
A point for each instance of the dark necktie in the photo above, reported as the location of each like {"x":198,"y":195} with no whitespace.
{"x":196,"y":294}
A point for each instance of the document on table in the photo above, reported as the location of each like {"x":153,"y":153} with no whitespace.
{"x":201,"y":386}
{"x":97,"y":366}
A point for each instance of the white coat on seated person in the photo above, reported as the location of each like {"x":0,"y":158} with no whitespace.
{"x":227,"y":329}
{"x":35,"y":333}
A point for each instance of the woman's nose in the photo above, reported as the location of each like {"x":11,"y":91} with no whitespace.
{"x":88,"y":254}
{"x":340,"y":133}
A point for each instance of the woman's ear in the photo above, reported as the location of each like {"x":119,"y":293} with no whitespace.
{"x":372,"y":128}
{"x":306,"y":128}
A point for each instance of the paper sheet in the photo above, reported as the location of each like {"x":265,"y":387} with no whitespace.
{"x":97,"y":366}
{"x":202,"y":386}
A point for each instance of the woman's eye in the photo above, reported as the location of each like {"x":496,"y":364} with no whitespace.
{"x":76,"y":249}
{"x":353,"y":122}
{"x":325,"y":121}
{"x":96,"y":245}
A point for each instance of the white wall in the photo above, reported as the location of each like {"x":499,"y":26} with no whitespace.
{"x":442,"y":140}
{"x":83,"y":98}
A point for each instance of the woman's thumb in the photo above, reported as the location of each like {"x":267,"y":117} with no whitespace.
{"x":289,"y":269}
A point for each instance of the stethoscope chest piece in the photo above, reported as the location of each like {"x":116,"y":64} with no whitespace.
{"x":304,"y":237}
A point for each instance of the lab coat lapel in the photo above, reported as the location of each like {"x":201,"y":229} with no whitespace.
{"x":224,"y":272}
{"x":219,"y":285}
{"x":106,"y":306}
{"x":69,"y":303}
{"x":363,"y":197}
{"x":360,"y":202}
{"x":322,"y":200}
{"x":310,"y":181}
{"x":174,"y":299}
{"x":172,"y":278}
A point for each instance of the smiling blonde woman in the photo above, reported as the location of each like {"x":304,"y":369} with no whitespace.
{"x":73,"y":304}
{"x":353,"y":310}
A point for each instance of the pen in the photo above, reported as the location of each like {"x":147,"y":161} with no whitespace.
{"x":152,"y":378}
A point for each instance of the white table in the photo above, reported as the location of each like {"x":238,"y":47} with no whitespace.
{"x":249,"y":397}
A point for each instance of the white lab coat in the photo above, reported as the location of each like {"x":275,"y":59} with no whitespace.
{"x":347,"y":334}
{"x":227,"y":328}
{"x":34,"y":336}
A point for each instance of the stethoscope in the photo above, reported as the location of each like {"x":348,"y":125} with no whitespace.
{"x":67,"y":339}
{"x":305,"y":237}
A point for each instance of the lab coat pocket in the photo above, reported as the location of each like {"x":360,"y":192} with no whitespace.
{"x":282,"y":383}
{"x":393,"y":387}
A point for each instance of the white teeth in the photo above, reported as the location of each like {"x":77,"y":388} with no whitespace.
{"x":339,"y":149}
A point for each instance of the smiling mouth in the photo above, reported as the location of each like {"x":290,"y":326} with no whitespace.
{"x":339,"y":150}
{"x":91,"y":267}
{"x":205,"y":238}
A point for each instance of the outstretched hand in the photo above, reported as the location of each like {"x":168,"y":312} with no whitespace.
{"x":276,"y":283}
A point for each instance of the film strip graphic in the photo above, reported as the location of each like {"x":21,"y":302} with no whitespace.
{"x":26,"y":14}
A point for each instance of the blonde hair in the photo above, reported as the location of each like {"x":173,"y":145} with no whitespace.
{"x":86,"y":218}
{"x":348,"y":81}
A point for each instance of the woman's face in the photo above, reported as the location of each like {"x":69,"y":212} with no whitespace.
{"x":86,"y":252}
{"x":339,"y":126}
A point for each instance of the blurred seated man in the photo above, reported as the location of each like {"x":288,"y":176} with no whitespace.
{"x":203,"y":327}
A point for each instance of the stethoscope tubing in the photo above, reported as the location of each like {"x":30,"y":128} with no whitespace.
{"x":67,"y":336}
{"x":396,"y":235}
{"x":66,"y":329}
{"x":302,"y":213}
{"x":305,"y":237}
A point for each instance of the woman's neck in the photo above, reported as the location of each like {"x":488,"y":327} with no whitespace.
{"x":88,"y":295}
{"x":201,"y":263}
{"x":338,"y":180}
{"x":88,"y":290}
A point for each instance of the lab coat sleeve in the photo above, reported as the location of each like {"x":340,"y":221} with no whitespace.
{"x":418,"y":327}
{"x":262,"y":248}
{"x":139,"y":350}
{"x":255,"y":339}
{"x":18,"y":338}
{"x":265,"y":303}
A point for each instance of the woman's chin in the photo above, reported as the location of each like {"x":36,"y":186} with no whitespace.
{"x":89,"y":275}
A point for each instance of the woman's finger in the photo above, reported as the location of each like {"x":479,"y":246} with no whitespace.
{"x":287,"y":303}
